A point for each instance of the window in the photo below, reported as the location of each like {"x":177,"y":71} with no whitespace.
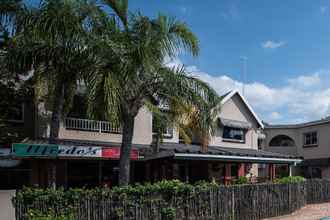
{"x":282,"y":141}
{"x":168,"y":132}
{"x":310,"y":138}
{"x":162,"y":125}
{"x":233,"y":134}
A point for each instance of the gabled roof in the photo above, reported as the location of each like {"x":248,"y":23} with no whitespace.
{"x":229,"y":95}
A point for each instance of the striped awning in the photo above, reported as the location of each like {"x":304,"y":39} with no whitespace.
{"x":235,"y":123}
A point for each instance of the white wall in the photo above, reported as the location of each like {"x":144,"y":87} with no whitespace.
{"x":235,"y":109}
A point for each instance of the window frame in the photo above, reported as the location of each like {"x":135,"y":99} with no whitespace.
{"x":311,"y":139}
{"x":233,"y":139}
{"x":289,"y":138}
{"x":168,"y":132}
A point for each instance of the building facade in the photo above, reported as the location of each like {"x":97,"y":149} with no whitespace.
{"x":87,"y":151}
{"x":309,"y":140}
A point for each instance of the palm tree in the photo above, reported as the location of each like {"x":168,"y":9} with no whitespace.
{"x":56,"y":40}
{"x":139,"y":77}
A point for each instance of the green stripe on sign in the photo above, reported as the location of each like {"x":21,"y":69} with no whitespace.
{"x":35,"y":150}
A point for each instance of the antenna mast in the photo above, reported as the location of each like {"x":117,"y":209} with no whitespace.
{"x":244,"y":69}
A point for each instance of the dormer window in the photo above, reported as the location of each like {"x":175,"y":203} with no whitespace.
{"x":233,"y":130}
{"x":233,"y":134}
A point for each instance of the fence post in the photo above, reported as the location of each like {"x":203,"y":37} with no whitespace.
{"x":232,"y":203}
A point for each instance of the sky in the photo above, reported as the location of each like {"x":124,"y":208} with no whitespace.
{"x":286,"y":44}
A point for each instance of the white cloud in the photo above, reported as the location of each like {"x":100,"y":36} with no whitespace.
{"x":185,"y":10}
{"x":303,"y":98}
{"x":273,"y":44}
{"x":323,"y":9}
{"x":275,"y":115}
{"x":232,"y":12}
{"x":306,"y":80}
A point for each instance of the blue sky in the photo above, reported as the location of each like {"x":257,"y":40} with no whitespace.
{"x":287,"y":44}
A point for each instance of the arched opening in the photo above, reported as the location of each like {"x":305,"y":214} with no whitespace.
{"x":282,"y":141}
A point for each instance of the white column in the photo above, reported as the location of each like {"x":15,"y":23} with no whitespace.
{"x":290,"y":170}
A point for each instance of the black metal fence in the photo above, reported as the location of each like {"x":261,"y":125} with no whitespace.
{"x":246,"y":202}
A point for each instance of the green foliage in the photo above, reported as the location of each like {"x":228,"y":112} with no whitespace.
{"x":168,"y":213}
{"x":137,"y":76}
{"x":14,"y":93}
{"x":49,"y":215}
{"x":290,"y":179}
{"x":169,"y":197}
{"x":242,"y":180}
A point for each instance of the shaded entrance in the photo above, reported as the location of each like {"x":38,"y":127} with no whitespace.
{"x":88,"y":173}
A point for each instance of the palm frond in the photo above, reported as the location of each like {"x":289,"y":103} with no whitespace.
{"x":121,"y":9}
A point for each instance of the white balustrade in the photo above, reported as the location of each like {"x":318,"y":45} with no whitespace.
{"x":90,"y":125}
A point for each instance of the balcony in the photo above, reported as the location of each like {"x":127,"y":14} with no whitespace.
{"x":91,"y":126}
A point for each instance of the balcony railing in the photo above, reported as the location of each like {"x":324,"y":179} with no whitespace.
{"x":91,"y":125}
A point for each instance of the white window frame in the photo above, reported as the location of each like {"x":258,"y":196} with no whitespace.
{"x":312,"y":144}
{"x":232,"y":139}
{"x":168,"y":132}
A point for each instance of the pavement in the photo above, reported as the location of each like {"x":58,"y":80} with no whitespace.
{"x":7,"y":211}
{"x":308,"y":212}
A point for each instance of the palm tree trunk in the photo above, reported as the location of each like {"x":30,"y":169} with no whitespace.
{"x":57,"y":110}
{"x":125,"y":150}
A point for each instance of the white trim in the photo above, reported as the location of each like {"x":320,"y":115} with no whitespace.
{"x":231,"y":94}
{"x":226,"y":157}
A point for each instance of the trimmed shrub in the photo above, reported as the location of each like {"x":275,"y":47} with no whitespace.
{"x":290,"y":179}
{"x":241,"y":180}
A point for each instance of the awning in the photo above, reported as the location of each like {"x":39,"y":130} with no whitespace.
{"x":6,"y":160}
{"x":233,"y":158}
{"x":235,"y":123}
{"x":218,"y":153}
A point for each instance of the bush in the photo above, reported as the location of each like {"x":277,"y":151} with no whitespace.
{"x":60,"y":204}
{"x":241,"y":180}
{"x":290,"y":179}
{"x":49,"y":215}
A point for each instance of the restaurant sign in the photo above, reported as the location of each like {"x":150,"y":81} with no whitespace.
{"x":53,"y":150}
{"x":114,"y":153}
{"x":77,"y":151}
{"x":33,"y":150}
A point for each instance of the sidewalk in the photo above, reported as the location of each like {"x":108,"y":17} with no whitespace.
{"x":7,"y":211}
{"x":309,"y":212}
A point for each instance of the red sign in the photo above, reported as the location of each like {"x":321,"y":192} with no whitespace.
{"x":114,"y":153}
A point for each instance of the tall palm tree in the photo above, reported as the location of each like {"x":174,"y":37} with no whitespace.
{"x":139,"y":77}
{"x":56,"y":40}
